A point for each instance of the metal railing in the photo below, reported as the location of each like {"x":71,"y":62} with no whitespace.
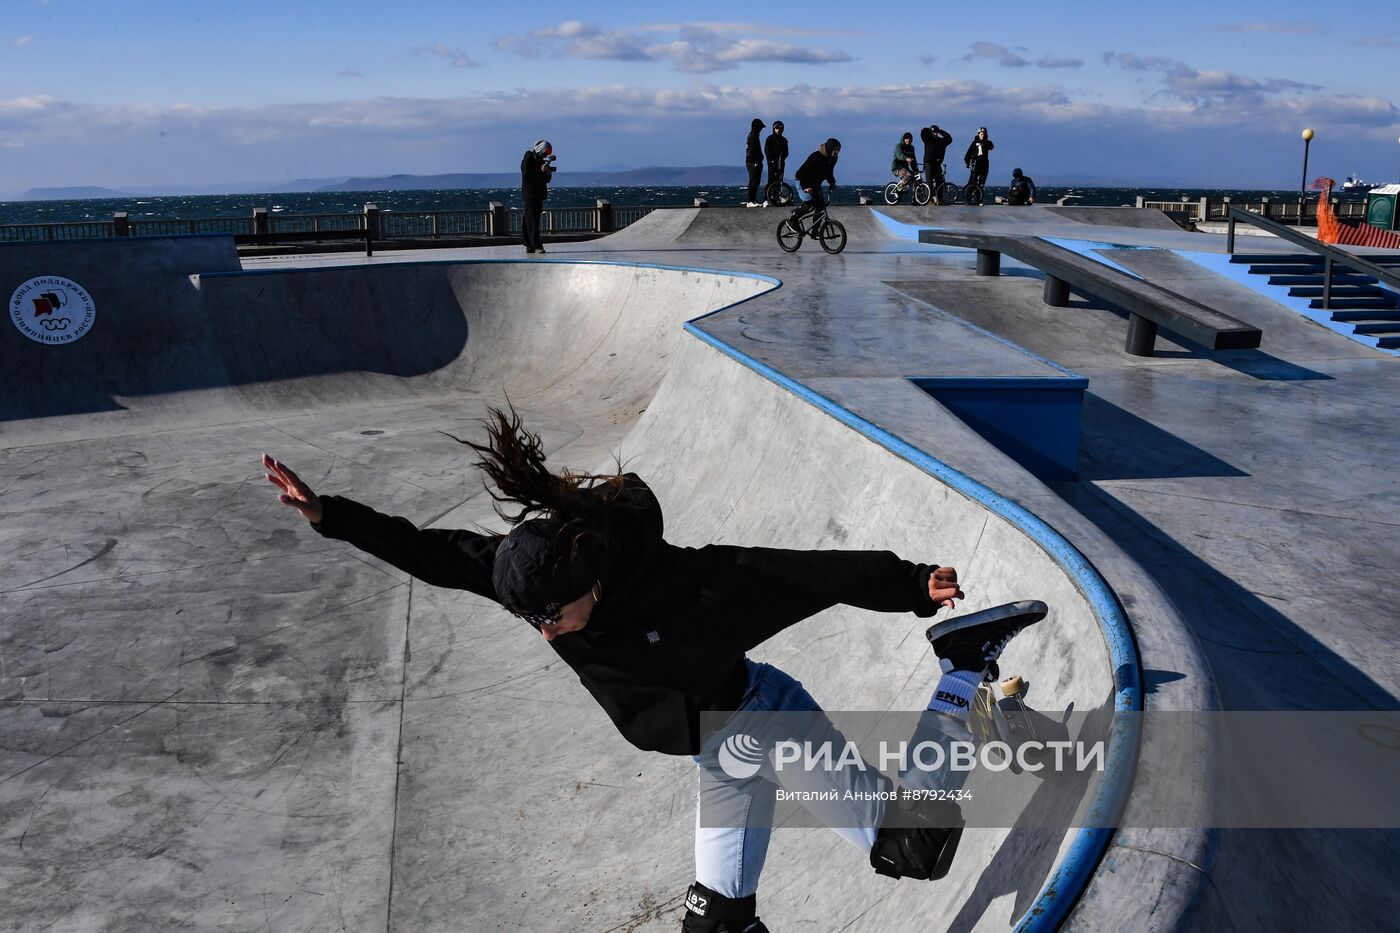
{"x":1295,"y":212}
{"x":495,"y":220}
{"x":1332,"y":255}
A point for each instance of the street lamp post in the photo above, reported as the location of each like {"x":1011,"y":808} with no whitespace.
{"x":1307,"y":144}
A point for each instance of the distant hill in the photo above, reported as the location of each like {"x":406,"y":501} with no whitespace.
{"x":690,"y":176}
{"x":75,"y":193}
{"x":79,"y":192}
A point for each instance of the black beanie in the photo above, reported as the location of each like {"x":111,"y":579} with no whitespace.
{"x":548,"y":562}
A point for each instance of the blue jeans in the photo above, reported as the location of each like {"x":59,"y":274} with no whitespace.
{"x":731,"y":842}
{"x":815,"y":201}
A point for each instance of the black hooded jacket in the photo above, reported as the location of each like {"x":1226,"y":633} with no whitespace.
{"x":753,"y":148}
{"x":978,"y":152}
{"x":668,"y":637}
{"x":534,"y":180}
{"x":935,"y":145}
{"x":818,"y":168}
{"x":775,"y":149}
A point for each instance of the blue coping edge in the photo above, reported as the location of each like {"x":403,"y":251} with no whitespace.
{"x":1072,"y":873}
{"x":503,"y":261}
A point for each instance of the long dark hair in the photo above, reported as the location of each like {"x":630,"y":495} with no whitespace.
{"x":513,"y":458}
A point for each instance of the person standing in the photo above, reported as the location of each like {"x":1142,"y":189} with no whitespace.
{"x":977,"y":158}
{"x":1022,"y":188}
{"x":936,"y":141}
{"x":775,"y":150}
{"x":536,"y":169}
{"x":753,"y":158}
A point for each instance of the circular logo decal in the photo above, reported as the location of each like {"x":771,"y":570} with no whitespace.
{"x":51,"y":309}
{"x":741,"y":756}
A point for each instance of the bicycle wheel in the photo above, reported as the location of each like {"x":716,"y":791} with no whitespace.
{"x":921,"y":194}
{"x":973,"y":193}
{"x":788,"y":238}
{"x":778,"y":194}
{"x":892,"y":193}
{"x":833,"y":236}
{"x":948,"y":193}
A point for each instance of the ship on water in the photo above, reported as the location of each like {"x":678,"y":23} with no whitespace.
{"x":1356,"y":185}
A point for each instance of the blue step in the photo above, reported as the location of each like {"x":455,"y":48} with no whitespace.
{"x":1274,"y":257}
{"x":1363,"y":315}
{"x":1340,"y":303}
{"x":1315,"y":278}
{"x":1380,"y":328}
{"x":1338,"y":291}
{"x":1389,"y":343}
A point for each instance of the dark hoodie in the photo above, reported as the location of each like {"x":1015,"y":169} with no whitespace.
{"x":818,"y":168}
{"x":935,"y":144}
{"x":978,"y":152}
{"x":775,"y":148}
{"x":667,"y":640}
{"x":753,"y":152}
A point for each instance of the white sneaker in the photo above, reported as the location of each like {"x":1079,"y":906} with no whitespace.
{"x":752,"y":204}
{"x":764,"y":204}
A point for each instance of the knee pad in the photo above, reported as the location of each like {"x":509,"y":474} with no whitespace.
{"x":709,"y":912}
{"x":922,"y":846}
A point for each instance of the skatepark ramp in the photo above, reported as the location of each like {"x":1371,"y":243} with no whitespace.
{"x":217,"y":718}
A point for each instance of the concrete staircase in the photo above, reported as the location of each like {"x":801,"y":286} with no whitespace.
{"x":1358,"y":299}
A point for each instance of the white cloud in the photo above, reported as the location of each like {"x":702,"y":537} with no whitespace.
{"x":1213,"y":88}
{"x":455,"y":57}
{"x":1299,"y":28}
{"x":697,"y":48}
{"x":1221,"y":123}
{"x":1379,"y":42}
{"x":22,"y":41}
{"x":1016,"y":58}
{"x":1000,"y":54}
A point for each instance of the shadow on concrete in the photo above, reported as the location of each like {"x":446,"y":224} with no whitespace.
{"x":1116,"y":444}
{"x":1254,"y":363}
{"x":1152,"y":679}
{"x":1237,"y":631}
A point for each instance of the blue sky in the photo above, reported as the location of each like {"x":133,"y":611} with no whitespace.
{"x":119,"y":94}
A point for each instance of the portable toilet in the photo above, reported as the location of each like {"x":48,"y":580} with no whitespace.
{"x":1381,"y":207}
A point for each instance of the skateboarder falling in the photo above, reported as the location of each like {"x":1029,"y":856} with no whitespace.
{"x":658,"y":635}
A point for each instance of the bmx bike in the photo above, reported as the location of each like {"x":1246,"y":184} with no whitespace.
{"x":915,"y":182}
{"x":971,"y":193}
{"x":829,"y":233}
{"x":778,"y":193}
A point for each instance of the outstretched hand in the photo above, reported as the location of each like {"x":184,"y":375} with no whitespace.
{"x":295,"y":493}
{"x":943,"y":587}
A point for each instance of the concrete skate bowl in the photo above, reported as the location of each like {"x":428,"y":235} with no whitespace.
{"x":171,"y":348}
{"x":215,"y":717}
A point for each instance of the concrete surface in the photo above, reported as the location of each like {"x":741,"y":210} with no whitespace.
{"x":218,"y":720}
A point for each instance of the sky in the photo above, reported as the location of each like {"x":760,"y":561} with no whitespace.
{"x":124,"y":93}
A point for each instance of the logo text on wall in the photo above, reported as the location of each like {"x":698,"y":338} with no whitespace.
{"x":52,"y":309}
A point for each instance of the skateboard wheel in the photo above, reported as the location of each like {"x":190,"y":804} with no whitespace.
{"x":1013,"y":686}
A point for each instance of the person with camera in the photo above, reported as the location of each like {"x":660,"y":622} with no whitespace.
{"x":775,"y":150}
{"x":536,"y":170}
{"x":753,"y":160}
{"x":978,"y":157}
{"x":1022,"y":188}
{"x":936,"y":141}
